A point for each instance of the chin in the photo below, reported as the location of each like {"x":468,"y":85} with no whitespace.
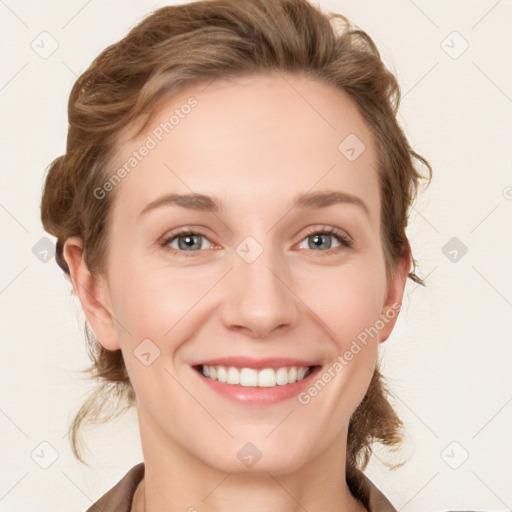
{"x":257,"y":457}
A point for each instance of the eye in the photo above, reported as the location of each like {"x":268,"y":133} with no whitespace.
{"x":186,"y":240}
{"x":318,"y":238}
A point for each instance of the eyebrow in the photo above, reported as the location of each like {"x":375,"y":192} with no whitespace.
{"x":202,"y":202}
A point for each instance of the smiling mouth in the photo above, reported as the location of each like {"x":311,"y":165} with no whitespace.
{"x":251,"y":377}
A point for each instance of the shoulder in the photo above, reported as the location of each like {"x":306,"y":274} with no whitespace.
{"x":367,"y":493}
{"x":372,"y":498}
{"x":120,"y":497}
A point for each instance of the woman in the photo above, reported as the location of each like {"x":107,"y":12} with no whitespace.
{"x":231,"y":210}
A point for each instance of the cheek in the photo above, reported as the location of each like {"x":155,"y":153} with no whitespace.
{"x":167,"y":305}
{"x":348,"y":300}
{"x":159,"y":304}
{"x":161,"y":307}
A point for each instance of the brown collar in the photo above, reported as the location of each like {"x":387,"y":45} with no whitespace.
{"x":120,"y":497}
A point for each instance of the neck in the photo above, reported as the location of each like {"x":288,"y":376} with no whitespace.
{"x":175,"y":480}
{"x":140,"y":504}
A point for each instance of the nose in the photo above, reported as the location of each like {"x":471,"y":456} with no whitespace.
{"x":259,"y":298}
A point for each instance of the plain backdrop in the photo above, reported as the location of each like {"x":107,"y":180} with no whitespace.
{"x":448,"y":362}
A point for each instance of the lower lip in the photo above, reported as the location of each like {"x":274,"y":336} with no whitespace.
{"x":254,"y":395}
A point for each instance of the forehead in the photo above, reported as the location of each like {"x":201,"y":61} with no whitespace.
{"x":251,"y":139}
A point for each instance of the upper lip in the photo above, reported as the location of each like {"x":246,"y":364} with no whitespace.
{"x":252,"y":362}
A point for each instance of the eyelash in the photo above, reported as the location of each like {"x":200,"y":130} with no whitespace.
{"x":345,"y":241}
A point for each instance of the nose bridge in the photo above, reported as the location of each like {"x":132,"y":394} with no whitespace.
{"x":257,"y":297}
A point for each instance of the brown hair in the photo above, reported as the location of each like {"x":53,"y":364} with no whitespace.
{"x":198,"y":42}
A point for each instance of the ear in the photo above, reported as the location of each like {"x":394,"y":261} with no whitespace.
{"x":394,"y":297}
{"x":93,"y":293}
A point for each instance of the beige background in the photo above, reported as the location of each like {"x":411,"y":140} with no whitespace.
{"x":448,"y":362}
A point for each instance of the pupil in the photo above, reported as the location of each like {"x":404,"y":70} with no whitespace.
{"x":318,"y":238}
{"x":189,"y":240}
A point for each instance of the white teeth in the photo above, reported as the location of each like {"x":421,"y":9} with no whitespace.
{"x":267,"y":378}
{"x":222,"y":374}
{"x":248,"y":377}
{"x":282,"y":376}
{"x":233,"y":376}
{"x":264,"y":378}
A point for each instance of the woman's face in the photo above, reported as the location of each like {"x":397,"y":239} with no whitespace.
{"x":255,"y":285}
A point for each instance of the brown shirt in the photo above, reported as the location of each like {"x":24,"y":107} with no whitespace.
{"x":120,"y":497}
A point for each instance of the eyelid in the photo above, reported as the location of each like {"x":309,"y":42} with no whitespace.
{"x":344,"y":238}
{"x":186,"y":230}
{"x":329,"y":230}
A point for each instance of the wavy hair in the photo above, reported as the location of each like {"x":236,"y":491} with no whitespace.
{"x":177,"y":46}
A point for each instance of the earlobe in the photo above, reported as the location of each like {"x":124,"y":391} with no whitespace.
{"x":394,"y":297}
{"x":93,"y":294}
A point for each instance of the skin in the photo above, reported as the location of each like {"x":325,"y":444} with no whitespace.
{"x":255,"y":142}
